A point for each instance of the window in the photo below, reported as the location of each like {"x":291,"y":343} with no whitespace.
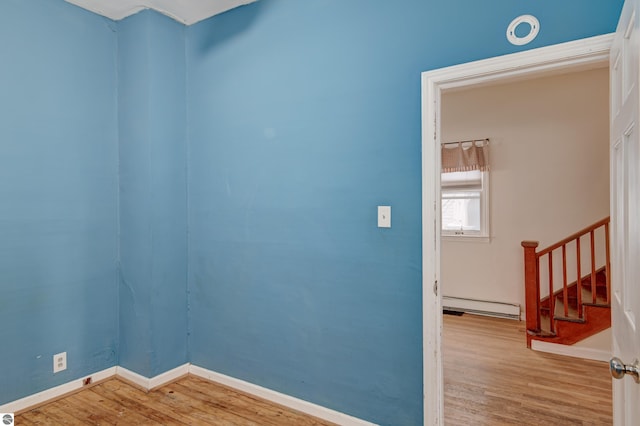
{"x":465,"y":204}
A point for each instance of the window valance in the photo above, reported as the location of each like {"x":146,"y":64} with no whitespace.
{"x":465,"y":156}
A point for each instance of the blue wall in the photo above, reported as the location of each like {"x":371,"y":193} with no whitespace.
{"x":295,"y":119}
{"x":58,"y":194}
{"x":303,"y":117}
{"x":153,"y":191}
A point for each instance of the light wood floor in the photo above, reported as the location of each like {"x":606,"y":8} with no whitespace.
{"x":491,"y":378}
{"x":189,"y":401}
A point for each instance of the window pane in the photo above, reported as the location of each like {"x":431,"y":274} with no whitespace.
{"x":461,"y":213}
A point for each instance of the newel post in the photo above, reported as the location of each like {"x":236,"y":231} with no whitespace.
{"x":531,"y":289}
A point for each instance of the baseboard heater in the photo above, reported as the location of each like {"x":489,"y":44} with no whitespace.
{"x":482,"y":307}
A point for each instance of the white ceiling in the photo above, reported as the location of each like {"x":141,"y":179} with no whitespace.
{"x":186,"y":11}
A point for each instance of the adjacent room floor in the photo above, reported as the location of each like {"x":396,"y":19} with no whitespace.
{"x":491,"y":378}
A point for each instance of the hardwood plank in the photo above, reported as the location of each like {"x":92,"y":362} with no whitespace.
{"x":133,"y":399}
{"x":188,"y":401}
{"x":35,"y":416}
{"x":57,"y":415}
{"x":27,"y":421}
{"x":82,"y":413}
{"x":110,"y":410}
{"x":209,"y":403}
{"x":244,"y":404}
{"x":492,"y":378}
{"x":117,"y":412}
{"x":196,"y":411}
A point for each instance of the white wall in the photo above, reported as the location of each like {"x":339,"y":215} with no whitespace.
{"x":549,"y":173}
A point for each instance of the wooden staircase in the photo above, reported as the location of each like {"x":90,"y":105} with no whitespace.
{"x":568,"y":311}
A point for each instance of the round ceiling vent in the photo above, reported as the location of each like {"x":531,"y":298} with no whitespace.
{"x":526,"y":20}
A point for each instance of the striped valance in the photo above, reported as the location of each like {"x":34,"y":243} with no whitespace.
{"x":465,"y":156}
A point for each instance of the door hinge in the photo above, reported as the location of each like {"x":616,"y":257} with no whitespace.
{"x":435,"y":287}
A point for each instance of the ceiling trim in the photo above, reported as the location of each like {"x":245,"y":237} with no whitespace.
{"x":187,"y":12}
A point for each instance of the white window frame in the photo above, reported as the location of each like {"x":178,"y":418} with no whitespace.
{"x":471,"y":236}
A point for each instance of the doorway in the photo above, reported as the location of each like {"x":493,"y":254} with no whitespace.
{"x":572,"y":56}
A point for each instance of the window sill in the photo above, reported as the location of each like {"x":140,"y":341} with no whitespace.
{"x":466,"y":238}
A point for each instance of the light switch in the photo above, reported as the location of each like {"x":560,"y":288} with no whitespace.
{"x":384,"y":216}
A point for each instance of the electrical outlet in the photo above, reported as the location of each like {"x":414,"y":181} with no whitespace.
{"x":59,"y":362}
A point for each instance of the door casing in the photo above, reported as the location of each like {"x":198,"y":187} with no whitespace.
{"x":566,"y":57}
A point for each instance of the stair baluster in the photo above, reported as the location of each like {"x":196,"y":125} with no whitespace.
{"x":537,"y":308}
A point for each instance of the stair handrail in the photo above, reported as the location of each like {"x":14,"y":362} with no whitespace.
{"x":532,"y":275}
{"x":574,"y":236}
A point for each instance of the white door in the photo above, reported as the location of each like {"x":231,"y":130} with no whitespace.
{"x":625,"y":215}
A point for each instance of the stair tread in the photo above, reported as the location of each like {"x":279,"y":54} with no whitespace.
{"x":587,"y":300}
{"x":571,"y":319}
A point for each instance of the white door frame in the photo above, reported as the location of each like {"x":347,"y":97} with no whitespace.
{"x":566,"y":57}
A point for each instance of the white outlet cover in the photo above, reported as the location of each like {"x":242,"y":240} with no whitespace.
{"x":384,"y":216}
{"x":59,"y":362}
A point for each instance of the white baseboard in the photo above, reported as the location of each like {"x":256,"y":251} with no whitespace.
{"x":280,"y":398}
{"x":482,"y":307}
{"x":45,"y":396}
{"x":153,"y":382}
{"x":135,"y":378}
{"x":306,"y":407}
{"x":54,"y":393}
{"x":169,"y":376}
{"x":571,"y":350}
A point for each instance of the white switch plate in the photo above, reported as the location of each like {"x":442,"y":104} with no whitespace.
{"x":59,"y":362}
{"x":384,"y":216}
